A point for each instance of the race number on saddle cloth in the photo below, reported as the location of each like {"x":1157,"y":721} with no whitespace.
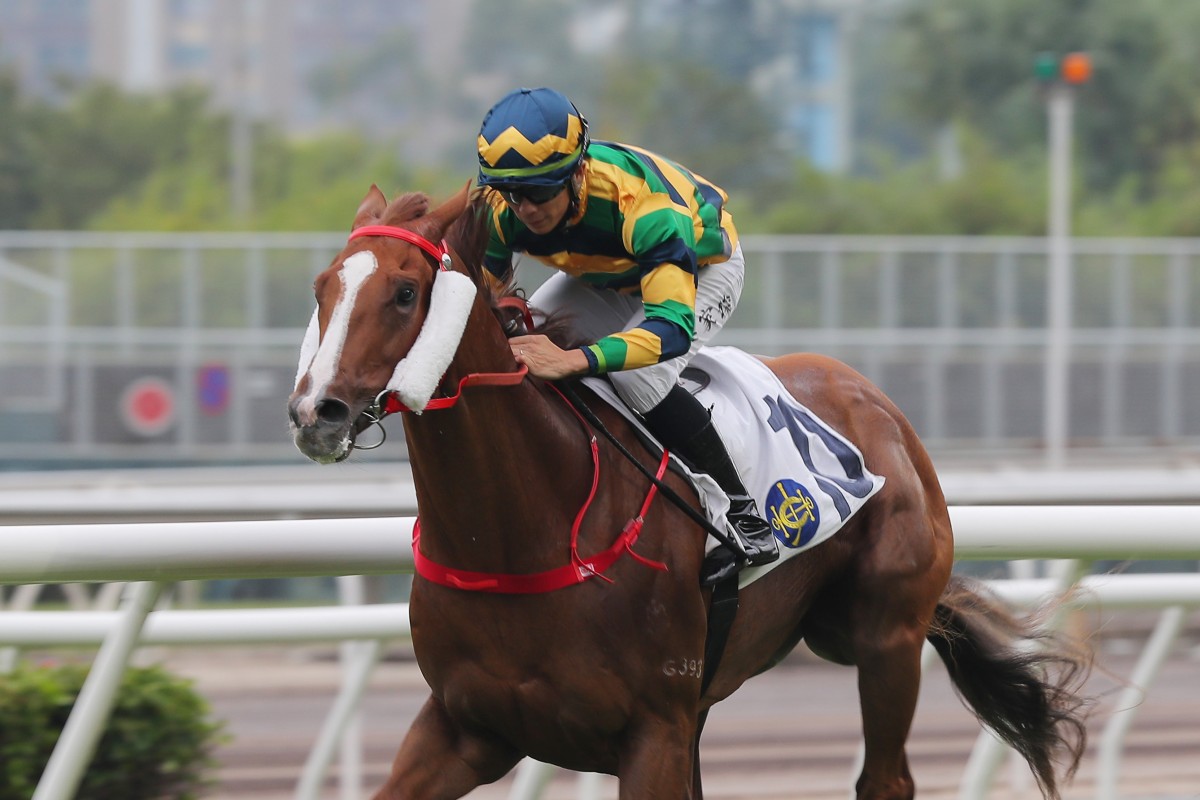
{"x":807,"y":478}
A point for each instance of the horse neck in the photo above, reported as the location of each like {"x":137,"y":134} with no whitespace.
{"x":500,"y":475}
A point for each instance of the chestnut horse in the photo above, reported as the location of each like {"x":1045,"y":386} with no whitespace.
{"x":557,"y":611}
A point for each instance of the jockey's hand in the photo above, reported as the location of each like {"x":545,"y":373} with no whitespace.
{"x":547,"y":360}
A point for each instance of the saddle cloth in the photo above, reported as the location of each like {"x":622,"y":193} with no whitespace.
{"x":807,"y":478}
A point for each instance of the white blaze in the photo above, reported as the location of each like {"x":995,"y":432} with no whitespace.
{"x":354,"y":273}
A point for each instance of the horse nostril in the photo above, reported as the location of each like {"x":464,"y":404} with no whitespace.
{"x":335,"y":412}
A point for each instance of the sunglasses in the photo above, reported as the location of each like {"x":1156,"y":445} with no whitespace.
{"x":534,"y":194}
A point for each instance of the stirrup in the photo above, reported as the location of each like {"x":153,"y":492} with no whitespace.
{"x":752,"y":532}
{"x":756,"y":545}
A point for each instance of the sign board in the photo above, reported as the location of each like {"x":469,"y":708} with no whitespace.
{"x":148,"y":406}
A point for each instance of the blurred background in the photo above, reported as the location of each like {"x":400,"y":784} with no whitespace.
{"x":1001,"y":232}
{"x":174,"y":172}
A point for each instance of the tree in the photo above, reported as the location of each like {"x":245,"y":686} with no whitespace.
{"x":18,"y":186}
{"x":972,"y":60}
{"x":75,"y":158}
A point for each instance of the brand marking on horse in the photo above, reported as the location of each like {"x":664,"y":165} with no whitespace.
{"x":684,"y":667}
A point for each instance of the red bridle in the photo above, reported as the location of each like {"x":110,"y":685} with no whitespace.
{"x":387,"y":403}
{"x":580,"y":569}
{"x":440,"y":253}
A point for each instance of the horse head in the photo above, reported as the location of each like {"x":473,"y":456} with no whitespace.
{"x":372,"y":305}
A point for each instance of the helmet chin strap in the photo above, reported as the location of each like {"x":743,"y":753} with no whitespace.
{"x":575,"y":187}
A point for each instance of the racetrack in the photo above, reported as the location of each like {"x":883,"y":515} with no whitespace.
{"x":791,"y":733}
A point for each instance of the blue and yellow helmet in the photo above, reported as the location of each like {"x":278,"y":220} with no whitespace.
{"x":532,"y":137}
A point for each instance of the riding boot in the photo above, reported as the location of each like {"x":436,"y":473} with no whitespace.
{"x":683,"y":425}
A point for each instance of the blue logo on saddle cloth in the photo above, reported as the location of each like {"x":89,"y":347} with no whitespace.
{"x":793,"y":513}
{"x":818,"y":479}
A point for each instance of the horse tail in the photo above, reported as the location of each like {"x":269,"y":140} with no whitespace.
{"x":1019,"y":681}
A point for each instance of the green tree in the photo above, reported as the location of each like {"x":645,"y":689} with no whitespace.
{"x":103,"y":141}
{"x":18,"y":184}
{"x":972,"y":60}
{"x":692,"y":115}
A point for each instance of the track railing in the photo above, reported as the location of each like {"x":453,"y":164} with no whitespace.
{"x":150,"y":555}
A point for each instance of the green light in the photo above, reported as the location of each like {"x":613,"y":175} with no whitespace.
{"x":1045,"y":67}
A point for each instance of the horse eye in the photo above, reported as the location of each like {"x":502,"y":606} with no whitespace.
{"x":405,"y":296}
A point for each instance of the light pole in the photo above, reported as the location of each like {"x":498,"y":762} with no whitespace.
{"x":1060,"y":78}
{"x":241,"y":141}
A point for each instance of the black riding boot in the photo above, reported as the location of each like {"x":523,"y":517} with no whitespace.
{"x":683,"y":425}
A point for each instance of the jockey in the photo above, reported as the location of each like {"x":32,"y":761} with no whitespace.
{"x":649,"y":269}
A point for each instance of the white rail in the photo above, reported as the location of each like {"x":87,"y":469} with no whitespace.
{"x":386,"y":489}
{"x":154,"y":553}
{"x":174,"y":551}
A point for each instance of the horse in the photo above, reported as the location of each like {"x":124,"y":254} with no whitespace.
{"x":557,"y":610}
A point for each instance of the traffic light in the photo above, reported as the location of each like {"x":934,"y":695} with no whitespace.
{"x":1073,"y":68}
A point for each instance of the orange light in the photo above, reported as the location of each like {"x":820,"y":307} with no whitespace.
{"x":1076,"y":68}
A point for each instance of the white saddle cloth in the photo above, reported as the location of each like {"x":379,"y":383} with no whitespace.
{"x":806,"y":477}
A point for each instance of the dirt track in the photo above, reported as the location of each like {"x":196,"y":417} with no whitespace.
{"x":792,"y":733}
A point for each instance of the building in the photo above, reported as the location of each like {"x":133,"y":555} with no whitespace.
{"x":313,"y":65}
{"x":257,"y":56}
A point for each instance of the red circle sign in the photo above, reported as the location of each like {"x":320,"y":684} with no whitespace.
{"x":148,"y":406}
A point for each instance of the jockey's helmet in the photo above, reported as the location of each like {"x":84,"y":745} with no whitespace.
{"x":532,"y":137}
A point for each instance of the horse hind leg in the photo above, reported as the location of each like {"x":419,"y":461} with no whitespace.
{"x":871,"y":626}
{"x":697,"y":787}
{"x":877,"y":621}
{"x":889,"y":677}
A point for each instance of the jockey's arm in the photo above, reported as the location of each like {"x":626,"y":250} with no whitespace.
{"x":669,"y":298}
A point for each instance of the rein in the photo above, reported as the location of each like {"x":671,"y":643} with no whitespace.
{"x":580,"y":569}
{"x":699,"y":518}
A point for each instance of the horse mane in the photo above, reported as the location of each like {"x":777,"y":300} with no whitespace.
{"x":405,"y":208}
{"x":468,"y":236}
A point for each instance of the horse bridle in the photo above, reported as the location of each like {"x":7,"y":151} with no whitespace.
{"x":439,"y":252}
{"x":441,"y":255}
{"x":385,"y":402}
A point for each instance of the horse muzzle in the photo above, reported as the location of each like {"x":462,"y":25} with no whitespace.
{"x":323,"y":430}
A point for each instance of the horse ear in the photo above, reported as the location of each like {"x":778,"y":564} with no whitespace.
{"x":370,"y":209}
{"x":434,"y":224}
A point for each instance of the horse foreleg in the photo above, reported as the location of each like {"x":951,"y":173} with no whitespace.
{"x":437,"y":761}
{"x":657,"y":762}
{"x":889,"y":677}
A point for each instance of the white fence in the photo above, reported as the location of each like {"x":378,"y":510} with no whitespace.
{"x":154,"y":553}
{"x":954,"y":329}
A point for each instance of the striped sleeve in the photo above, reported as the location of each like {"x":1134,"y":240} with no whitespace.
{"x":669,"y":295}
{"x":497,"y":258}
